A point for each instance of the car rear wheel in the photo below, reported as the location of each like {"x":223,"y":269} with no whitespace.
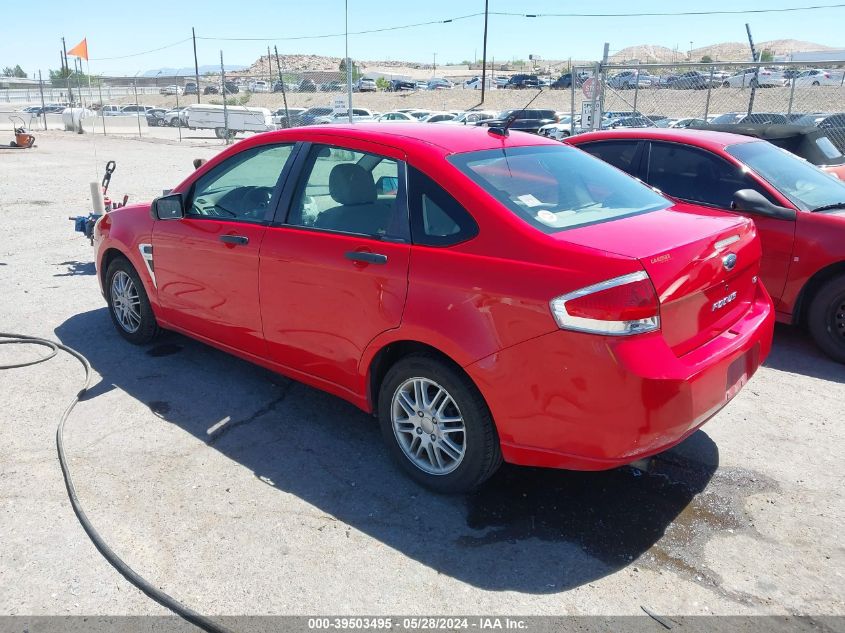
{"x":437,"y":425}
{"x":816,"y":83}
{"x":129,"y":305}
{"x":826,"y":318}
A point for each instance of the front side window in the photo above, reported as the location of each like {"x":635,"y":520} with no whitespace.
{"x":696,"y":175}
{"x":242,"y":187}
{"x":557,"y":187}
{"x":806,"y":186}
{"x":351,"y":192}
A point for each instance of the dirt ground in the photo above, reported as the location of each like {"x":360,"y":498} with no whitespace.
{"x":296,"y":507}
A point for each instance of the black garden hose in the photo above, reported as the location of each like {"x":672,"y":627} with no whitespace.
{"x":108,"y":553}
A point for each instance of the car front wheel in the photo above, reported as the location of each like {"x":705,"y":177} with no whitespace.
{"x":129,"y":306}
{"x":826,"y":318}
{"x":437,"y":425}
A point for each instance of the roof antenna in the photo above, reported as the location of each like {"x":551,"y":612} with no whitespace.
{"x":503,"y":131}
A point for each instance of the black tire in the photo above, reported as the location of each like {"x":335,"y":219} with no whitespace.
{"x":826,"y":318}
{"x":816,"y":83}
{"x":148,"y":328}
{"x":482,"y":453}
{"x":726,"y":84}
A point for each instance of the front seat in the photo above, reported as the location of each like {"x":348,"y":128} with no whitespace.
{"x":352,"y":187}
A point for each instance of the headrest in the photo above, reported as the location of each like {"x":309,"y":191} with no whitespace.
{"x":351,"y":184}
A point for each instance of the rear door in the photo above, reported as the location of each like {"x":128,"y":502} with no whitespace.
{"x":334,"y":264}
{"x":206,"y":264}
{"x":699,"y":176}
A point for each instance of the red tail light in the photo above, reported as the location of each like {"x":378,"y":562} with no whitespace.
{"x":620,"y":306}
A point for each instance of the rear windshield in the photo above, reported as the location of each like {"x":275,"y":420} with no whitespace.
{"x":554,"y":188}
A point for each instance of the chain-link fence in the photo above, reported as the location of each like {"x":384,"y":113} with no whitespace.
{"x":680,"y":95}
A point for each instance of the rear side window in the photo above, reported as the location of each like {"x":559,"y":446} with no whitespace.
{"x":620,"y":154}
{"x":437,"y":219}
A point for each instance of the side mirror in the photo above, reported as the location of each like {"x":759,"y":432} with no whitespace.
{"x":750,"y":201}
{"x":387,"y":185}
{"x":169,"y":207}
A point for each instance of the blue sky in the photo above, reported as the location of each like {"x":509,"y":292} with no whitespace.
{"x":125,"y":28}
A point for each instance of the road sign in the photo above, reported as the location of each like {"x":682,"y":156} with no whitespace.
{"x":589,"y":87}
{"x":339,"y":104}
{"x":586,"y":115}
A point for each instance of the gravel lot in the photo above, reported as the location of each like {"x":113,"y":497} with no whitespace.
{"x":295,"y":508}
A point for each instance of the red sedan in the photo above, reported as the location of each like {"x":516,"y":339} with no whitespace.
{"x":798,"y":209}
{"x":488,"y":297}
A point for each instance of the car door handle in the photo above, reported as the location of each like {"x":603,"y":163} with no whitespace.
{"x":234,"y":239}
{"x":366,"y":258}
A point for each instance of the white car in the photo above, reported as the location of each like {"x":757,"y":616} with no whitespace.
{"x":174,"y":117}
{"x":470,"y":118}
{"x":395,"y":116}
{"x":358,"y":114}
{"x":259,"y":86}
{"x":172,"y":90}
{"x":766,"y":78}
{"x":818,"y":77}
{"x":561,"y":129}
{"x":438,"y":117}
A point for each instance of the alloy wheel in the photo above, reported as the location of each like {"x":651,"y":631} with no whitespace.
{"x":126,"y":303}
{"x":428,"y":425}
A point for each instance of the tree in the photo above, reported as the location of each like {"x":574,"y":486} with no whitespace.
{"x":766,"y":56}
{"x":382,"y":83}
{"x":706,"y":59}
{"x":17,"y":71}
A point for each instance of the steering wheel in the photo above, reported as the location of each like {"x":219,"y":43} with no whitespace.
{"x":256,"y":201}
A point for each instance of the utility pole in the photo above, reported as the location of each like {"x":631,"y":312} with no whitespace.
{"x":755,"y":80}
{"x":196,"y":64}
{"x":282,"y":81}
{"x":484,"y":53}
{"x":225,"y":108}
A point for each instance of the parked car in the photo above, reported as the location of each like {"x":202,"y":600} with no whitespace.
{"x":438,"y":84}
{"x":766,"y":78}
{"x":259,"y":86}
{"x":759,"y":118}
{"x":231,"y":88}
{"x":818,"y":77}
{"x":833,"y":124}
{"x":523,"y":120}
{"x":191,"y":88}
{"x":631,"y":121}
{"x":134,"y":109}
{"x":400,"y":85}
{"x":280,"y":118}
{"x":172,"y":89}
{"x":692,"y":80}
{"x":799,"y":211}
{"x":396,"y":116}
{"x":471,"y":117}
{"x":155,"y":117}
{"x":630,"y":79}
{"x":686,"y":122}
{"x":106,"y":110}
{"x":311,"y":114}
{"x":522,"y":80}
{"x":560,"y":130}
{"x":211,"y":89}
{"x":172,"y":117}
{"x":365,"y":84}
{"x":435,"y":276}
{"x":358,"y":114}
{"x":419,"y":115}
{"x":438,"y":117}
{"x":332,"y":86}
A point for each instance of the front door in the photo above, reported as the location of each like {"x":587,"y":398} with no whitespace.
{"x":334,"y":269}
{"x":206,"y":264}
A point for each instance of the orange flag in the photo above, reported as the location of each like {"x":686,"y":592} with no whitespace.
{"x":80,"y":50}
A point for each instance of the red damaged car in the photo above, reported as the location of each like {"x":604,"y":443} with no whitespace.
{"x":799,"y":211}
{"x":488,"y":296}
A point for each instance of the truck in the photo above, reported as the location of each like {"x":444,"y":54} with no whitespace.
{"x":240,"y":119}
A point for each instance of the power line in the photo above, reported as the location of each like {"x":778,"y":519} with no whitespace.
{"x":532,"y":15}
{"x":152,"y":50}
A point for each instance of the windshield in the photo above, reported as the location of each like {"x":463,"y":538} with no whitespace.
{"x":558,"y":187}
{"x":726,"y":118}
{"x":806,"y":186}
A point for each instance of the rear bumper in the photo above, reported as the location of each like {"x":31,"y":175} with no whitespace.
{"x":586,"y":402}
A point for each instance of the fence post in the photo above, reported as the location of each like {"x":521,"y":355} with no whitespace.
{"x":596,"y":87}
{"x":709,"y":91}
{"x":571,"y":101}
{"x":636,"y":91}
{"x":225,"y":108}
{"x":137,"y":111}
{"x":791,"y":95}
{"x":102,"y":111}
{"x":43,"y":106}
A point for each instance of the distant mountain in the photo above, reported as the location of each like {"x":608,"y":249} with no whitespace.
{"x":726,"y":51}
{"x":184,"y":71}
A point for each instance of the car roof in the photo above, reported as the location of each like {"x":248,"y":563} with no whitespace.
{"x":450,"y":139}
{"x":702,"y":138}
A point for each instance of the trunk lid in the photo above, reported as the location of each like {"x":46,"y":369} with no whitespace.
{"x":687,"y":252}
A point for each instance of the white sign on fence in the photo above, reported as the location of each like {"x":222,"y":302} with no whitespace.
{"x":586,"y":115}
{"x":339,"y":104}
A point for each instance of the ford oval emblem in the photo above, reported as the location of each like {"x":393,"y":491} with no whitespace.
{"x":729,"y":261}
